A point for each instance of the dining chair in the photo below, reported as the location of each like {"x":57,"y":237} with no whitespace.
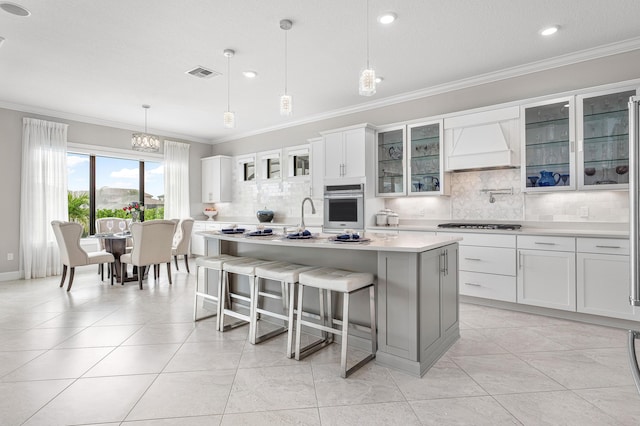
{"x":181,"y":241}
{"x":72,"y":254}
{"x":152,"y":243}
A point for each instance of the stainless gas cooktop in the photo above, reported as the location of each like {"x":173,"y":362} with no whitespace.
{"x":498,"y":226}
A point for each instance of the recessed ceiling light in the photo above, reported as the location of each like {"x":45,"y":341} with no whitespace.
{"x":14,"y":9}
{"x":379,"y":79}
{"x":387,"y":17}
{"x":250,"y":74}
{"x":549,"y":30}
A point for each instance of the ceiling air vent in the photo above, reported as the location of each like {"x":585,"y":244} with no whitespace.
{"x":202,"y":72}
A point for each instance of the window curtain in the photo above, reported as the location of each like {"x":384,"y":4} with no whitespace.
{"x":176,"y":180}
{"x":43,"y":195}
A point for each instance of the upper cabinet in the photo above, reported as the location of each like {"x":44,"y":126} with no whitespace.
{"x":390,"y":161}
{"x":425,"y":160}
{"x":316,"y":151}
{"x":270,"y":165}
{"x":409,"y":160}
{"x":216,"y":179}
{"x":548,"y":160}
{"x":481,"y":140}
{"x":603,"y":139}
{"x":246,"y":167}
{"x":298,"y":162}
{"x":345,"y":152}
{"x":598,"y":121}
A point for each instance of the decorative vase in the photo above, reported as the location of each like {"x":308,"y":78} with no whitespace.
{"x":135,"y":216}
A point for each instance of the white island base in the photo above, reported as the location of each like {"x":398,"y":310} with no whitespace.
{"x":416,"y":289}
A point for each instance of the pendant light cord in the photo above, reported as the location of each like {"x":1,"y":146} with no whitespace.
{"x":145,"y":119}
{"x":285,"y":62}
{"x":228,"y":81}
{"x":367,"y":25}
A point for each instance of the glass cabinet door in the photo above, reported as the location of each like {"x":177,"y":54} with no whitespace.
{"x":390,"y":161}
{"x":603,"y":135}
{"x":425,"y":159}
{"x":548,"y":154}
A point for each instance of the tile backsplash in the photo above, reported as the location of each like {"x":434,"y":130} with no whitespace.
{"x":468,"y":200}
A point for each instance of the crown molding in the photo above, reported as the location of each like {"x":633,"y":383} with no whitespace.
{"x":98,"y":121}
{"x":491,"y":77}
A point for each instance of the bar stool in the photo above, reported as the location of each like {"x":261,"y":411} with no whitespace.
{"x":242,"y":266}
{"x":287,"y":273}
{"x":345,"y":282}
{"x":215,"y":263}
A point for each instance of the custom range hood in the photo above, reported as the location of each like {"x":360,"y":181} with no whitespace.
{"x":483,"y":140}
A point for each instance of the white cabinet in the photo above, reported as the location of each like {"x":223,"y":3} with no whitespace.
{"x":487,"y":266}
{"x":198,"y":241}
{"x":345,"y":152}
{"x":216,"y":179}
{"x":603,"y":278}
{"x":603,"y":139}
{"x":409,"y":160}
{"x":547,"y":272}
{"x":548,"y":135}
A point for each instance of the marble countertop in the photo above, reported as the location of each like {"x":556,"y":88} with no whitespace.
{"x":413,"y":243}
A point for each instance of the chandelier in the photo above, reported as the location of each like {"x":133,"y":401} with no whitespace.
{"x":144,"y":141}
{"x":228,"y":117}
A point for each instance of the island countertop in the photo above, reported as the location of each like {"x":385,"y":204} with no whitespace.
{"x":408,"y":243}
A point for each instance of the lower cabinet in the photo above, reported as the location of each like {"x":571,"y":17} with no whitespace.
{"x":197,"y":241}
{"x":603,"y":278}
{"x":417,"y":323}
{"x":547,"y":272}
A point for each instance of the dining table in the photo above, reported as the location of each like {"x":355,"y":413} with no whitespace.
{"x":116,"y":244}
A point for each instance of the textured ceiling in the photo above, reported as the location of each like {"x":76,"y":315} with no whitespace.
{"x":102,"y":60}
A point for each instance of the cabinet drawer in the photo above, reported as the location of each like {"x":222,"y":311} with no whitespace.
{"x":603,"y":245}
{"x":488,"y":286}
{"x":491,"y":260}
{"x":481,"y":239}
{"x":546,"y":243}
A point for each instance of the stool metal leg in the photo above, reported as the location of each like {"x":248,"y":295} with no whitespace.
{"x":345,"y":335}
{"x":205,"y":295}
{"x":226,"y":296}
{"x":345,"y":325}
{"x":257,"y":310}
{"x":290,"y":322}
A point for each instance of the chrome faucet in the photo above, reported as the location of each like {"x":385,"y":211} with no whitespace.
{"x":313,"y":210}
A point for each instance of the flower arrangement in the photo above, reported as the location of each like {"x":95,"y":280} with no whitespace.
{"x":133,"y":206}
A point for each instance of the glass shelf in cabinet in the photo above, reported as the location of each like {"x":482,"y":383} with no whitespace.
{"x":538,"y":124}
{"x":606,"y":114}
{"x":547,"y":143}
{"x":389,"y":143}
{"x":389,"y":176}
{"x":547,"y":166}
{"x":429,"y":139}
{"x":417,"y":157}
{"x":623,"y":137}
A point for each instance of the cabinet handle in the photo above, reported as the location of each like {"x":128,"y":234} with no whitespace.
{"x":609,"y":247}
{"x":344,"y":170}
{"x":442,"y":259}
{"x":473,"y":284}
{"x":473,"y":258}
{"x":544,"y":244}
{"x":519,"y":260}
{"x":446,"y":262}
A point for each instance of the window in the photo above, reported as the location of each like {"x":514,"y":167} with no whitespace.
{"x":102,"y":184}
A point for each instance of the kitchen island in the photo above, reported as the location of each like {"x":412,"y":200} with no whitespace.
{"x":416,"y":288}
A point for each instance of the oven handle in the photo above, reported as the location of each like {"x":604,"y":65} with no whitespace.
{"x":336,"y":196}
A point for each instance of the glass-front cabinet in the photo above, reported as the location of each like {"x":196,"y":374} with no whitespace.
{"x":548,"y":160}
{"x":424,"y":156}
{"x":409,"y":160}
{"x":390,"y":161}
{"x":603,"y":139}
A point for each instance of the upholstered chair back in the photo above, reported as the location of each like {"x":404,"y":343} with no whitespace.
{"x":152,"y":242}
{"x":182,"y":236}
{"x":68,"y":237}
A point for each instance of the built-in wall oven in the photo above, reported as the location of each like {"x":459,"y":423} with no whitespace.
{"x":343,"y":207}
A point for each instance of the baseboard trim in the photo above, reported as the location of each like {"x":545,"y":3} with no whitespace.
{"x":11,"y":276}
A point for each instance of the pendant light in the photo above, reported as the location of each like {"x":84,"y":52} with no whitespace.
{"x":229,"y":118}
{"x":367,"y":86}
{"x":286,"y":106}
{"x":144,"y":141}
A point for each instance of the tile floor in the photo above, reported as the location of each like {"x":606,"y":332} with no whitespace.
{"x":106,"y":355}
